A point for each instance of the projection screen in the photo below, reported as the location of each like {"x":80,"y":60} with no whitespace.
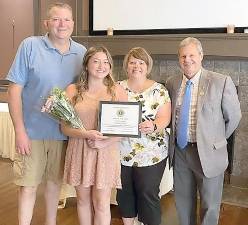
{"x":167,"y":16}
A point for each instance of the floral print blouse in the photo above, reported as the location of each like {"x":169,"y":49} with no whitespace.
{"x":152,"y":148}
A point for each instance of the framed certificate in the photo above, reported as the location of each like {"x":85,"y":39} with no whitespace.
{"x":120,"y":118}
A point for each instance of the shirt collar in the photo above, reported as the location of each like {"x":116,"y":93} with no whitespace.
{"x":49,"y":44}
{"x":195,"y":79}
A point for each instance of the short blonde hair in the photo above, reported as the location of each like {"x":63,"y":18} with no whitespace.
{"x":139,"y":53}
{"x":191,"y":40}
{"x":58,"y":5}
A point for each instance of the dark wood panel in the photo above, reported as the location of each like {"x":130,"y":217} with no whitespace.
{"x":223,"y":45}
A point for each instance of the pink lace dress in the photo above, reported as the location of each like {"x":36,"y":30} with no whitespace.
{"x":86,"y":166}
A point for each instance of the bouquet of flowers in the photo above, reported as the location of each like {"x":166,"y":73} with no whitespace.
{"x":59,"y":107}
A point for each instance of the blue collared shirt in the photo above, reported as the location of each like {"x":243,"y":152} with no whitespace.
{"x":39,"y":67}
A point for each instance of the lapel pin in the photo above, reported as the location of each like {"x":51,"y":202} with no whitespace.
{"x":201,"y":93}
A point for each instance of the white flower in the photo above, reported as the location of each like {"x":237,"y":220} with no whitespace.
{"x":59,"y":107}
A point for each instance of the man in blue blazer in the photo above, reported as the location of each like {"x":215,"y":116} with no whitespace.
{"x":200,"y":126}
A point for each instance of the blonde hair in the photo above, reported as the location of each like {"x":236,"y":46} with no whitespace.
{"x":58,"y":5}
{"x":83,"y":80}
{"x":139,"y":53}
{"x":191,"y":40}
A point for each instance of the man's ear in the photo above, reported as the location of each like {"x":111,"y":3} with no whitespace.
{"x":45,"y":23}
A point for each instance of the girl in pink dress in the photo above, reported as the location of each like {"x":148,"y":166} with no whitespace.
{"x":92,"y":161}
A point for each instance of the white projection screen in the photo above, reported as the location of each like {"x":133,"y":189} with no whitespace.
{"x":167,"y":16}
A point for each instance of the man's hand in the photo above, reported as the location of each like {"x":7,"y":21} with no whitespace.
{"x":23,"y":144}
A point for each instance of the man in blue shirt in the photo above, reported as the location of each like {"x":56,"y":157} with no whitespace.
{"x":41,"y":63}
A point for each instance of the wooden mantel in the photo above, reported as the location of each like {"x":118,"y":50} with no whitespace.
{"x":223,"y":45}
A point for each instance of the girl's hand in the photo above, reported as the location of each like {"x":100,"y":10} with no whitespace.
{"x":94,"y":135}
{"x":99,"y":144}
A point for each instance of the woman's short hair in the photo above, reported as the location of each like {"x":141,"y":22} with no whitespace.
{"x":138,"y":53}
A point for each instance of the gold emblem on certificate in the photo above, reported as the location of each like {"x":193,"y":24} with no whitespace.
{"x":120,"y":113}
{"x":120,"y":118}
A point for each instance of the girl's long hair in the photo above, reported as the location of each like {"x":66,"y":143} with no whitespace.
{"x":82,"y":84}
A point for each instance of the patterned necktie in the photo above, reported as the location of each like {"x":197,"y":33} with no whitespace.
{"x":182,"y":127}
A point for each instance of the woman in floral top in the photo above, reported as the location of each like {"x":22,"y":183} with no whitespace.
{"x":143,"y":159}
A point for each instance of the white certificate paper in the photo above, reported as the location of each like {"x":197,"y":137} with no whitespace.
{"x":120,"y":118}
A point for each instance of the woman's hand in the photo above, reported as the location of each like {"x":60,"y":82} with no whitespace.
{"x":146,"y":127}
{"x":99,"y":144}
{"x":103,"y":143}
{"x":94,"y":135}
